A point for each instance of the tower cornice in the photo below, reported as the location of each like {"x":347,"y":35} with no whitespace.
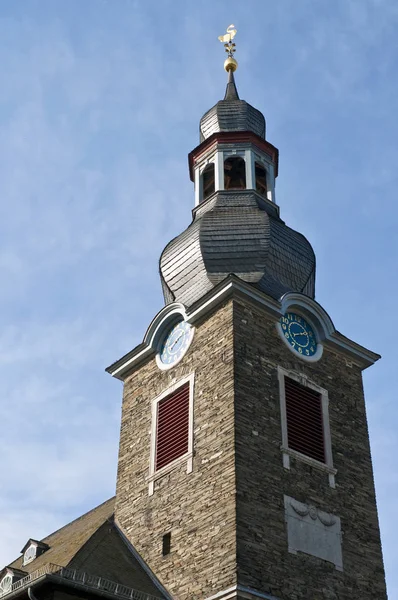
{"x":233,"y":287}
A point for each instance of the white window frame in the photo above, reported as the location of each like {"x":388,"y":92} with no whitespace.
{"x":188,"y":456}
{"x":266,"y":162}
{"x":287,"y":452}
{"x":198,"y":173}
{"x":10,"y":577}
{"x":28,"y":560}
{"x":201,"y":187}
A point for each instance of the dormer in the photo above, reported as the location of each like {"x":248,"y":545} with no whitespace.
{"x":8,"y":577}
{"x":32,"y":549}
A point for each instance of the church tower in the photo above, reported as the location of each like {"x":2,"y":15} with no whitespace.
{"x":244,"y":464}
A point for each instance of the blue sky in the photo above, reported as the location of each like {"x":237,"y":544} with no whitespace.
{"x":100,"y":102}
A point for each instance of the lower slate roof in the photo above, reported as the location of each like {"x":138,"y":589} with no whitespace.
{"x":94,"y":547}
{"x":65,"y":542}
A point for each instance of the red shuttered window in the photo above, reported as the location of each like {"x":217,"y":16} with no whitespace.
{"x":172,"y":430}
{"x":304,"y":420}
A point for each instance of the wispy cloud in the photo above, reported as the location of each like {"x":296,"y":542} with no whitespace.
{"x":99,"y":105}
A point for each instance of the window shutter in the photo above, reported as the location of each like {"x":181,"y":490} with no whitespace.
{"x":304,"y":420}
{"x":172,"y":430}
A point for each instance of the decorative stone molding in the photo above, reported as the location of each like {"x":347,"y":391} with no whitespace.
{"x":303,"y":510}
{"x":313,"y":531}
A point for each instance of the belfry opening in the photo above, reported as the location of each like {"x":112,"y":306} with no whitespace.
{"x":234,"y":173}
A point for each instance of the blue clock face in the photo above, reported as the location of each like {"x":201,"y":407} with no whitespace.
{"x":176,"y":343}
{"x":299,"y":334}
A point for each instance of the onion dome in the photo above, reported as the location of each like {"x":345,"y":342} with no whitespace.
{"x":236,"y":233}
{"x":231,"y":114}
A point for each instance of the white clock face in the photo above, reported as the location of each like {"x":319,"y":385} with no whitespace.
{"x":175,"y":343}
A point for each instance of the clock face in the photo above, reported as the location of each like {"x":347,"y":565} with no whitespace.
{"x":175,"y":343}
{"x":299,"y":334}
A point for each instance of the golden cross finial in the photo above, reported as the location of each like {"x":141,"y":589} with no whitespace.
{"x":230,"y":48}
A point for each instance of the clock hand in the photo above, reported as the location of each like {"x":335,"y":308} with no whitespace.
{"x":176,"y":340}
{"x":300,"y":333}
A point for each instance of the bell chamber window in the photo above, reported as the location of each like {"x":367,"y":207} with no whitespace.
{"x":234,"y":173}
{"x":305,"y":423}
{"x":208,"y":181}
{"x":261,"y":179}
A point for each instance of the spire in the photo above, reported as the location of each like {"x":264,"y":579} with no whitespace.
{"x":231,"y":113}
{"x":230,"y":65}
{"x":231,"y":93}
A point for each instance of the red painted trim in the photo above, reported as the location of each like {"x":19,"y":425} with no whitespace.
{"x":228,"y":137}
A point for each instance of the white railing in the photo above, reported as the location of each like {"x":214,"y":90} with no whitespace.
{"x":84,"y":579}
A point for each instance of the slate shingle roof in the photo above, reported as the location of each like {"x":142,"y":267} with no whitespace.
{"x":94,"y":544}
{"x":65,"y":542}
{"x":231,"y":114}
{"x":236,"y":232}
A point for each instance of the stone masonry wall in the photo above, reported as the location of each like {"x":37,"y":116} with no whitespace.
{"x":227,"y":518}
{"x":197,"y":508}
{"x":263,"y":559}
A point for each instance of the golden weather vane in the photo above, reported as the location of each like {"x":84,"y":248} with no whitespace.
{"x":230,"y":48}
